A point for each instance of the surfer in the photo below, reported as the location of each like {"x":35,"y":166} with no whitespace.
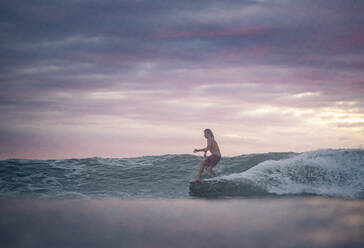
{"x":212,"y":160}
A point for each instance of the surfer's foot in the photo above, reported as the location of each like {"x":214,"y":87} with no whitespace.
{"x":196,"y":180}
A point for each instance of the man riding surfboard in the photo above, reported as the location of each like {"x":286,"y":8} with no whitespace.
{"x":212,"y":160}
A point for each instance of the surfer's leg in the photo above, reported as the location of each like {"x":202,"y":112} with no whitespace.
{"x":202,"y":167}
{"x":209,"y":169}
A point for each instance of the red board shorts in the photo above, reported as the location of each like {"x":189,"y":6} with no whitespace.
{"x":212,"y":160}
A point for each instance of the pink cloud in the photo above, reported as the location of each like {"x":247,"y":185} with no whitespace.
{"x":252,"y":51}
{"x":346,"y":41}
{"x":213,"y":33}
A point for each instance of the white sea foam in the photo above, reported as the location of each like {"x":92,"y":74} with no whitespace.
{"x":322,"y":172}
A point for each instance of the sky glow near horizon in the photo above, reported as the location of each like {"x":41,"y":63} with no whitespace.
{"x":133,"y":78}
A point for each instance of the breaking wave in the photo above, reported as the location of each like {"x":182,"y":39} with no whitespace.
{"x":338,"y":173}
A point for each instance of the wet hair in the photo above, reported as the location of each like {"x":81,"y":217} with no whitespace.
{"x":207,"y":130}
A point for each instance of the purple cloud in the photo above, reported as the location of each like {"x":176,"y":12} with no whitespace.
{"x":129,"y":71}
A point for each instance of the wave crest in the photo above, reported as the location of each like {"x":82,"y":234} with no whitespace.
{"x":323,"y":172}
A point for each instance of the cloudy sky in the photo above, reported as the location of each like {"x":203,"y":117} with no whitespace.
{"x":131,"y":77}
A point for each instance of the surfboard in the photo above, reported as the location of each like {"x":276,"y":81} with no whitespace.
{"x":192,"y":182}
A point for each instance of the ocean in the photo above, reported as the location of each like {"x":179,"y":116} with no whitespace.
{"x":309,"y":199}
{"x":332,"y":173}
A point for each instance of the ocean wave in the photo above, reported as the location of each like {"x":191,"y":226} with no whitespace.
{"x":329,"y":172}
{"x":323,"y":172}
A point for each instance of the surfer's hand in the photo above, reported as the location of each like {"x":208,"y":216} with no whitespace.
{"x":195,"y":150}
{"x":204,"y":155}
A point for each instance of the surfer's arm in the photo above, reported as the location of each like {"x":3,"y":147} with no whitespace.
{"x":206,"y":148}
{"x":199,"y":150}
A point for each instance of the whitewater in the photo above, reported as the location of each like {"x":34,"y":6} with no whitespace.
{"x":329,"y":173}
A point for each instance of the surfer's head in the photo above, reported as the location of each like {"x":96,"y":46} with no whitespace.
{"x":208,"y":133}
